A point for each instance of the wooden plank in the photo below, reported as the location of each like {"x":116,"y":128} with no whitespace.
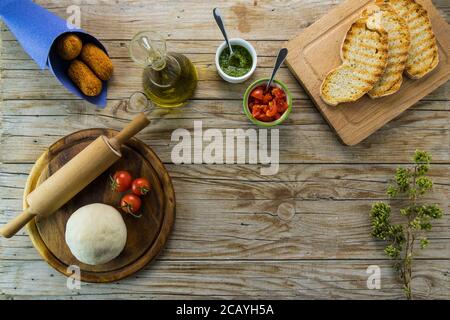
{"x":15,"y":59}
{"x":197,"y":109}
{"x":24,"y":138}
{"x":121,"y":20}
{"x":37,"y":84}
{"x":203,"y":61}
{"x":320,"y":230}
{"x":119,"y":48}
{"x":237,"y":214}
{"x":228,"y":279}
{"x":244,"y":182}
{"x":41,"y":84}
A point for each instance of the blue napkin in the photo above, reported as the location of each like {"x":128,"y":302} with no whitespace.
{"x":36,"y":29}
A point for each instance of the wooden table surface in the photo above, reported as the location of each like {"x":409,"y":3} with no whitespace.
{"x":229,"y":240}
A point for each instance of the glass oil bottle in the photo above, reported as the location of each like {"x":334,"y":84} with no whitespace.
{"x":169,"y":79}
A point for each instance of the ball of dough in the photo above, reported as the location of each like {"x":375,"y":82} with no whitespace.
{"x":96,"y":233}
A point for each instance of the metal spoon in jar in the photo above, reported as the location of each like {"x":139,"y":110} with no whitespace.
{"x":280,"y":59}
{"x":221,"y":25}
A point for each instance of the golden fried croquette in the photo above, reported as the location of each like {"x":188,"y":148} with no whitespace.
{"x":84,"y":78}
{"x":97,"y":60}
{"x":69,"y":46}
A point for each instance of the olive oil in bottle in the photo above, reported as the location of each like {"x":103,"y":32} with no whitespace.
{"x":169,"y":79}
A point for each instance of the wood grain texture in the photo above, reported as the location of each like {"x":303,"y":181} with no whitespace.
{"x":232,"y":279}
{"x":317,"y":50}
{"x":229,"y":241}
{"x":237,"y":214}
{"x":29,"y":133}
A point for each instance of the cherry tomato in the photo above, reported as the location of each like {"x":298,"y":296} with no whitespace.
{"x":140,"y":186}
{"x":272,"y":109}
{"x":281,"y":105}
{"x":267,"y":97}
{"x":264,"y":118}
{"x":258,"y":93}
{"x":131,"y":203}
{"x":256,"y":112}
{"x":257,"y":108}
{"x":278,"y":93}
{"x":121,"y":181}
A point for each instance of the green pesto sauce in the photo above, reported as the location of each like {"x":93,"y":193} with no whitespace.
{"x":239,"y":64}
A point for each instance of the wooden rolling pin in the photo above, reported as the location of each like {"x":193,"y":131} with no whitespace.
{"x":74,"y":176}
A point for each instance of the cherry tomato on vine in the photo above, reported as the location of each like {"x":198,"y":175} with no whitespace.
{"x":131,"y":204}
{"x":121,"y":181}
{"x":140,"y":186}
{"x":258,"y":93}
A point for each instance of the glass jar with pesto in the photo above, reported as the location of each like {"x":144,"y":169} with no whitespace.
{"x":238,"y":66}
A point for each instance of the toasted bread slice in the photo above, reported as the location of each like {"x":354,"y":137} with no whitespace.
{"x":364,"y":54}
{"x":423,"y":54}
{"x":398,"y":48}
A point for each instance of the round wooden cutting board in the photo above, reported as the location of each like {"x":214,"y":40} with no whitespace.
{"x":146,"y":235}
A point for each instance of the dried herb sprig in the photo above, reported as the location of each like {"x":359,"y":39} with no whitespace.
{"x":410,"y":184}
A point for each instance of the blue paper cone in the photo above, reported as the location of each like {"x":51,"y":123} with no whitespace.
{"x":36,"y":29}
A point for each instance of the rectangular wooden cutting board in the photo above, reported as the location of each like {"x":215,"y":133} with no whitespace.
{"x":314,"y":52}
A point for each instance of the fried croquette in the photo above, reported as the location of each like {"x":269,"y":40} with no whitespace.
{"x":69,"y":46}
{"x":84,"y":78}
{"x":97,"y":60}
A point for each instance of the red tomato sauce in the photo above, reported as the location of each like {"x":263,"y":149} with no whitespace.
{"x":267,"y":106}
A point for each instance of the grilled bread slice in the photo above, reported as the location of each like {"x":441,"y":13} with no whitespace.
{"x":423,"y":54}
{"x":398,"y":48}
{"x":364,"y":54}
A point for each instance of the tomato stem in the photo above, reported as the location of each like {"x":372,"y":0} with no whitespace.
{"x":113,"y":183}
{"x":143,"y":190}
{"x":128,"y":208}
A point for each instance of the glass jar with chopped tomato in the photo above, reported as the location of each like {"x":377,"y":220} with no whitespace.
{"x":267,"y":107}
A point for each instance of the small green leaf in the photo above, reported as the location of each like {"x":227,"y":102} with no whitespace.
{"x":415,"y":223}
{"x":380,"y":214}
{"x":421,"y":157}
{"x":431,"y":211}
{"x":392,"y":191}
{"x":424,"y":184}
{"x":403,"y":179}
{"x":412,"y":193}
{"x":423,"y":243}
{"x":392,"y":251}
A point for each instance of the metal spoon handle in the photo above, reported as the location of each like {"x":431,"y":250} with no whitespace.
{"x":280,"y":59}
{"x":221,"y":25}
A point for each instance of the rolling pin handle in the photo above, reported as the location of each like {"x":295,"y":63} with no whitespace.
{"x":138,"y":123}
{"x":13,"y":226}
